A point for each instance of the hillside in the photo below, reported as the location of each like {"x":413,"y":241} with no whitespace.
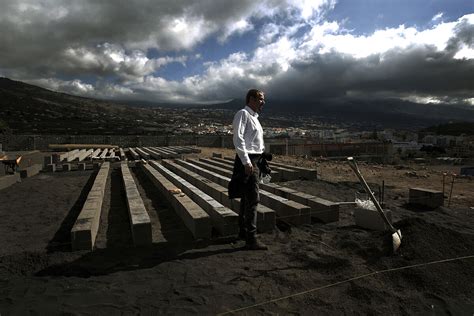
{"x":30,"y":109}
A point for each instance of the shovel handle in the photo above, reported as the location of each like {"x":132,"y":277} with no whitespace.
{"x":354,"y":167}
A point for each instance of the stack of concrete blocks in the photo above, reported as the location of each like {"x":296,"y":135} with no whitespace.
{"x":193,"y":216}
{"x":140,"y":223}
{"x":224,"y":220}
{"x":84,"y":231}
{"x":426,"y":197}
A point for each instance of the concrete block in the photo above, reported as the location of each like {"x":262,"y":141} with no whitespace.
{"x":8,"y":180}
{"x":81,"y":166}
{"x":426,"y":197}
{"x":371,"y":219}
{"x":66,"y":167}
{"x":31,"y":171}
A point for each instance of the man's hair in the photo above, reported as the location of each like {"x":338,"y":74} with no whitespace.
{"x":252,"y":93}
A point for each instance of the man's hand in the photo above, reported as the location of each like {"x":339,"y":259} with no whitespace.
{"x":248,"y":169}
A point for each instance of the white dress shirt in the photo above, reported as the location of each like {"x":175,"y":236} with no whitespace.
{"x":248,"y":134}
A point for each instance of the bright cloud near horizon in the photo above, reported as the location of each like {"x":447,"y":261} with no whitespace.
{"x":211,"y":50}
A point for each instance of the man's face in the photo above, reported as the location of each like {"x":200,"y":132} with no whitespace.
{"x":256,"y":103}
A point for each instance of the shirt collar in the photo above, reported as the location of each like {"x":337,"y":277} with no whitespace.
{"x":252,"y":112}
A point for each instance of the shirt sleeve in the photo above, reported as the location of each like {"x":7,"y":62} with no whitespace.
{"x":240,"y":120}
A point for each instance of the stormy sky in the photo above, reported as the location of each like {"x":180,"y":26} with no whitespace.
{"x":214,"y":50}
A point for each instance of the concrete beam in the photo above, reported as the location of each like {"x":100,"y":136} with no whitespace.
{"x":31,"y":171}
{"x":229,"y":164}
{"x":324,"y":210}
{"x":223,"y":219}
{"x":9,"y":179}
{"x":104,"y":153}
{"x":75,"y":155}
{"x":84,"y":154}
{"x":122,"y":154}
{"x":142,"y":153}
{"x":265,"y":216}
{"x":287,"y":210}
{"x":134,"y":154}
{"x":371,"y":219}
{"x":65,"y":155}
{"x":84,"y":231}
{"x":140,"y":223}
{"x":193,"y":216}
{"x":164,"y":153}
{"x":153,"y":153}
{"x":426,"y":197}
{"x":96,"y":153}
{"x":306,"y":173}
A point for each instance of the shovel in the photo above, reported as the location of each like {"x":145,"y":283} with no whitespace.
{"x":396,"y":234}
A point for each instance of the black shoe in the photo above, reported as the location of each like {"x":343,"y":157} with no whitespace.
{"x":256,"y":245}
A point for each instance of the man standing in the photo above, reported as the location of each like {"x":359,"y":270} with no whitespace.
{"x":248,"y":142}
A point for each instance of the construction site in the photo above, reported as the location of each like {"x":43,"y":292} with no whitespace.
{"x":90,"y":228}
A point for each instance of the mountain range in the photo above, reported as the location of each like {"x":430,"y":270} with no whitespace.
{"x":27,"y":108}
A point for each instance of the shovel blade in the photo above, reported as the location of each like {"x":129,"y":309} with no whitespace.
{"x":396,"y":240}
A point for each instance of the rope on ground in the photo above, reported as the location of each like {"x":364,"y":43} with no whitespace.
{"x":345,"y":281}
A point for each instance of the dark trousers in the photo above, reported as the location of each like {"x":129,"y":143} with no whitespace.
{"x":250,"y":197}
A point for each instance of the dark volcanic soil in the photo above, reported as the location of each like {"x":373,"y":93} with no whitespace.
{"x":335,"y":268}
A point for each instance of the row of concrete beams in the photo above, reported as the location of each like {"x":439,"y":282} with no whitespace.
{"x":279,"y":173}
{"x":82,"y":154}
{"x":223,"y":219}
{"x":287,"y":210}
{"x":265,"y":216}
{"x":84,"y":231}
{"x":321,"y":209}
{"x":305,"y":173}
{"x":140,"y":224}
{"x":161,"y":152}
{"x":196,"y":220}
